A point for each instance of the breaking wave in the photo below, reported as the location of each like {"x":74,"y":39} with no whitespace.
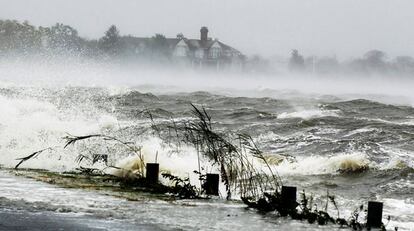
{"x":308,"y":114}
{"x":315,"y":165}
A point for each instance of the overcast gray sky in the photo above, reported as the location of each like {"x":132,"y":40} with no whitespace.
{"x":347,"y":28}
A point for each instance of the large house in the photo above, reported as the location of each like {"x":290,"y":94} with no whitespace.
{"x":196,"y":53}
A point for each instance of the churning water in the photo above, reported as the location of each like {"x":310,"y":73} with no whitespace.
{"x":323,"y":137}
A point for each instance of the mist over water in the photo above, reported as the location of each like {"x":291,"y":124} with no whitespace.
{"x":84,"y":72}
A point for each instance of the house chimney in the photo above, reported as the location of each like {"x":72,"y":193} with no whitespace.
{"x":203,"y":33}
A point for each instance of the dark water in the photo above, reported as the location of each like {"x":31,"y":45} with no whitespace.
{"x":327,"y":139}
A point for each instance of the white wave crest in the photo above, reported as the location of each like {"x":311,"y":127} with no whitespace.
{"x":308,"y":114}
{"x":315,"y":165}
{"x":29,"y":125}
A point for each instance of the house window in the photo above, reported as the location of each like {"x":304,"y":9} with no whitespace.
{"x":181,"y":51}
{"x":214,"y":52}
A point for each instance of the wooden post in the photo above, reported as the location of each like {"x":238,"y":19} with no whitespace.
{"x":288,"y":200}
{"x":289,"y":196}
{"x":212,"y":184}
{"x":152,"y":173}
{"x":374,"y":217}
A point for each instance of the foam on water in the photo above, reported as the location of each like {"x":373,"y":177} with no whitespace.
{"x":28,"y":125}
{"x":314,"y":165}
{"x":346,"y":162}
{"x":396,"y":158}
{"x":308,"y":114}
{"x":402,"y":213}
{"x":361,"y":130}
{"x":181,"y":164}
{"x":407,"y":121}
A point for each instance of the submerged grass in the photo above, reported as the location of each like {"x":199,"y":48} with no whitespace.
{"x":231,"y":153}
{"x":33,"y":155}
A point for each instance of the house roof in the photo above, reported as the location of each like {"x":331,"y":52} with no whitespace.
{"x":199,"y":44}
{"x":193,"y":44}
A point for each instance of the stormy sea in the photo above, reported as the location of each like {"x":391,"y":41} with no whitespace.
{"x":358,"y":147}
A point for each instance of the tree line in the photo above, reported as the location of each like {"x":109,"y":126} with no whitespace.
{"x":25,"y":39}
{"x":374,"y":62}
{"x":22,"y":38}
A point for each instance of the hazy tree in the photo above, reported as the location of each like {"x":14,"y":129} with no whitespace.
{"x":296,"y":61}
{"x":375,"y":59}
{"x":403,"y":64}
{"x":30,"y":37}
{"x":18,"y":37}
{"x":310,"y":63}
{"x":159,"y":41}
{"x":257,"y":64}
{"x":180,"y":36}
{"x":159,"y":47}
{"x":110,"y":42}
{"x":9,"y":31}
{"x":63,"y":38}
{"x":326,"y":65}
